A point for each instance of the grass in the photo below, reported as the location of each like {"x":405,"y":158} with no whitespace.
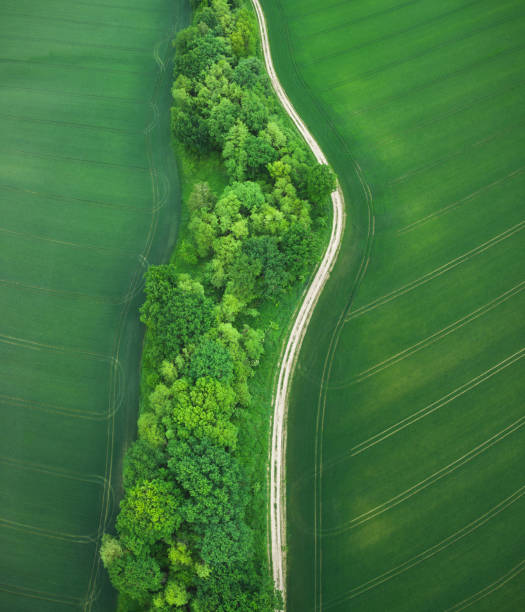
{"x":405,"y":439}
{"x":89,"y":195}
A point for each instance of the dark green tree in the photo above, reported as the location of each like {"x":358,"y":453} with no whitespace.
{"x":254,"y":112}
{"x":211,"y":359}
{"x":175,"y":310}
{"x":320,"y":183}
{"x":142,"y":462}
{"x":259,"y":153}
{"x":251,"y":74}
{"x":137,"y":576}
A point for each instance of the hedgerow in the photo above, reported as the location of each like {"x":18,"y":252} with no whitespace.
{"x":183,"y":535}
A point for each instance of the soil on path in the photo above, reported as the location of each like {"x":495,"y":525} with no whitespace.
{"x":290,"y":353}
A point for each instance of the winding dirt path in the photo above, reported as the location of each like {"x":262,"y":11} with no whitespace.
{"x":291,"y":351}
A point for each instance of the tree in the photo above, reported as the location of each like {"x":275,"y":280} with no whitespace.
{"x":203,"y":408}
{"x":176,"y":594}
{"x":138,"y":576}
{"x":259,"y":153}
{"x":110,"y":550}
{"x":150,"y":430}
{"x":203,"y":228}
{"x":320,"y":183}
{"x":241,"y":277}
{"x":230,"y":307}
{"x":234,"y":152}
{"x":253,"y":341}
{"x":175,"y":310}
{"x":254,"y":112}
{"x":224,"y":16}
{"x":268,"y":220}
{"x":244,"y":35}
{"x":211,"y":359}
{"x":212,"y":483}
{"x":251,"y":74}
{"x":298,"y":249}
{"x":196,"y":51}
{"x":264,"y":250}
{"x":201,"y":197}
{"x":142,"y":462}
{"x":274,"y":136}
{"x":248,"y":193}
{"x":227,"y":250}
{"x":148,"y":513}
{"x":190,"y":129}
{"x":222,"y":118}
{"x":227,"y":211}
{"x":208,"y":16}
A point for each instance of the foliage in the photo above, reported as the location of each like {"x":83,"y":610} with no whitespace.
{"x":244,"y":37}
{"x":211,"y":359}
{"x":184,"y":538}
{"x":320,"y":183}
{"x":135,"y":576}
{"x":175,"y":310}
{"x":148,"y":513}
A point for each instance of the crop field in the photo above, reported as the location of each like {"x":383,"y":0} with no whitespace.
{"x":88,"y":198}
{"x":406,"y":437}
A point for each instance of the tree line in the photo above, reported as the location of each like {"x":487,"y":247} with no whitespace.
{"x":183,"y":535}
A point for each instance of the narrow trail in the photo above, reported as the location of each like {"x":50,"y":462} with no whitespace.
{"x":277,"y":542}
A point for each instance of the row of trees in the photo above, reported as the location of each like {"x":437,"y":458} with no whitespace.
{"x":183,"y":535}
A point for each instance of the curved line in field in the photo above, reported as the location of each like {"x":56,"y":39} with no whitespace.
{"x":52,"y":409}
{"x":429,"y":340}
{"x":70,"y":43}
{"x":429,"y":84}
{"x":398,"y":5}
{"x":48,"y":533}
{"x":84,"y":126}
{"x":93,"y":162}
{"x":392,"y":35}
{"x":438,"y":117}
{"x":431,"y":552}
{"x":416,"y":416}
{"x":426,"y":482}
{"x":94,"y":479}
{"x":75,"y":245}
{"x":460,"y":152}
{"x":481,"y":248}
{"x":81,"y":22}
{"x":468,"y":198}
{"x":291,"y":351}
{"x":74,"y":94}
{"x":359,"y":78}
{"x":76,"y":67}
{"x":431,"y":408}
{"x":14,"y":589}
{"x":489,"y":589}
{"x":161,"y":189}
{"x":63,"y":198}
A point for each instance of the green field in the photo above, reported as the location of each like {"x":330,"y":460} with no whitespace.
{"x":406,"y":456}
{"x":89,"y":196}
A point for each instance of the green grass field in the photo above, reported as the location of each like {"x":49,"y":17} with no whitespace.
{"x":406,"y":442}
{"x":89,"y":196}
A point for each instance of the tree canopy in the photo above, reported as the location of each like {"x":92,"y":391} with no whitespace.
{"x":185,"y":532}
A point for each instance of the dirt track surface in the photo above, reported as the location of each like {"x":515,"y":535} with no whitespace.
{"x":293,"y":346}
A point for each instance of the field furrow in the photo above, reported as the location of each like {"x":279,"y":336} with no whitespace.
{"x":89,"y":198}
{"x":405,"y":434}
